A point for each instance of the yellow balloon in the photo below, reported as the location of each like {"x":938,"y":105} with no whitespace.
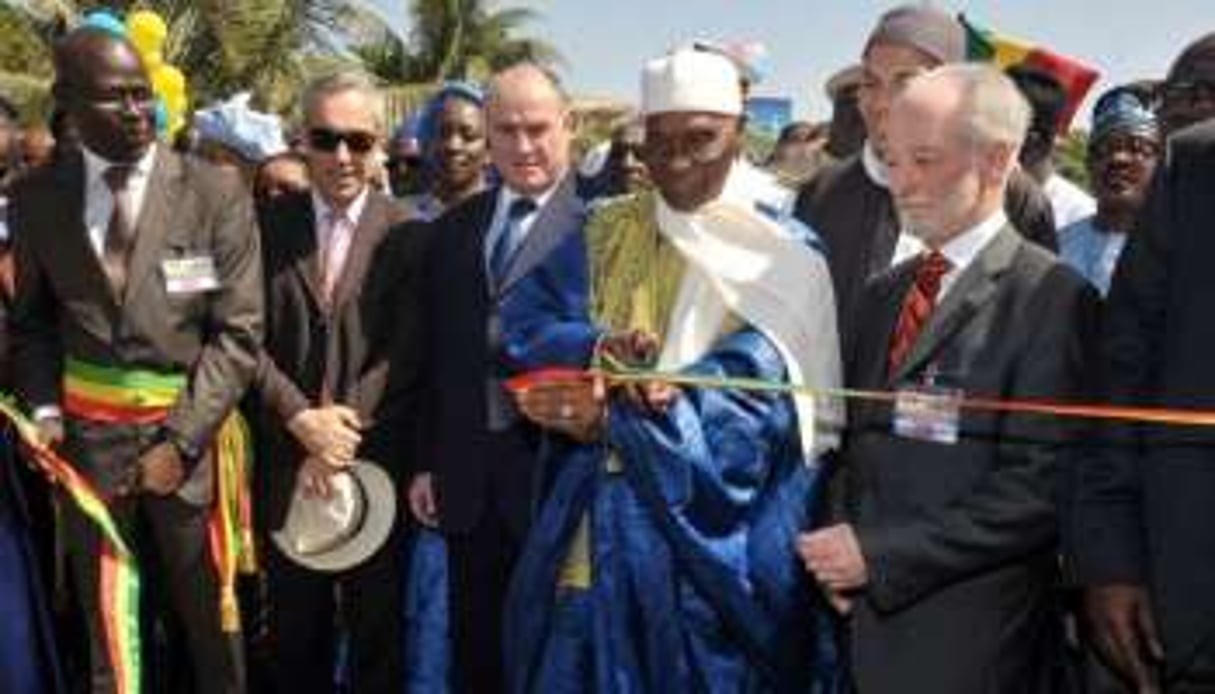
{"x":176,"y":104}
{"x":147,"y":30}
{"x":152,"y":61}
{"x":168,"y":81}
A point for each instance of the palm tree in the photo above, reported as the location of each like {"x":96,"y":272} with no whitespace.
{"x":223,"y":46}
{"x":455,"y":39}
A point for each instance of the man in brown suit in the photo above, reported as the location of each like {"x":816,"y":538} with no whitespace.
{"x":142,"y":266}
{"x":336,"y":381}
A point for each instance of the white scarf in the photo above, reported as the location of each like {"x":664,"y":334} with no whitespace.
{"x":739,"y":261}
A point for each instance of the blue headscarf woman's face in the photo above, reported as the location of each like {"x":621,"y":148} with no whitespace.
{"x":456,"y":147}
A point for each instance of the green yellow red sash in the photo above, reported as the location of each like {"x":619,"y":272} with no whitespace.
{"x":133,"y":396}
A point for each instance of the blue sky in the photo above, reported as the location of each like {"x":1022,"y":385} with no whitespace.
{"x":605,"y":42}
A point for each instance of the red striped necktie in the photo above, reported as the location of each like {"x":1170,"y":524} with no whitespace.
{"x":917,"y":306}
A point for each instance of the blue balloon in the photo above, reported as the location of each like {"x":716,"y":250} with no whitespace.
{"x":161,"y":113}
{"x":106,"y":21}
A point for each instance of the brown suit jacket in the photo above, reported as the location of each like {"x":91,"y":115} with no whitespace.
{"x":64,"y":305}
{"x":363,"y":347}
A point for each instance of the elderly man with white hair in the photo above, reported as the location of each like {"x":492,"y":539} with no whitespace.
{"x":943,"y":548}
{"x":662,"y":559}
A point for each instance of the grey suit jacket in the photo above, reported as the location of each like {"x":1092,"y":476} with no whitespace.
{"x":960,"y":539}
{"x":64,"y":306}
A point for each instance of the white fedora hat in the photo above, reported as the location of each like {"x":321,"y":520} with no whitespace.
{"x":345,"y":529}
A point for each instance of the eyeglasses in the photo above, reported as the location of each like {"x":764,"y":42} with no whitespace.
{"x":118,"y":99}
{"x":327,"y":140}
{"x":699,"y":146}
{"x":1135,"y":146}
{"x":1197,"y":93}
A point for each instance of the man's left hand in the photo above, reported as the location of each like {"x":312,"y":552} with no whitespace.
{"x":834,"y":556}
{"x":161,"y":469}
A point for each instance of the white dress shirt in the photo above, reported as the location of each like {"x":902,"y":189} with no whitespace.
{"x":99,"y":201}
{"x":98,"y":206}
{"x":962,"y":249}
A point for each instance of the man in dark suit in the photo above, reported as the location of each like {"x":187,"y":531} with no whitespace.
{"x":336,"y":379}
{"x":476,"y":475}
{"x":849,"y":204}
{"x":136,"y":266}
{"x":1144,"y":525}
{"x":943,"y":553}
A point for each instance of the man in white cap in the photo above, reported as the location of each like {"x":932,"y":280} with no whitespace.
{"x":662,"y":556}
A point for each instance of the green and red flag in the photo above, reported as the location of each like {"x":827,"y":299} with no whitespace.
{"x":1076,"y":78}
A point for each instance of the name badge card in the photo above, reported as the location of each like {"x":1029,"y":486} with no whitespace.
{"x":928,"y":413}
{"x":190,"y":274}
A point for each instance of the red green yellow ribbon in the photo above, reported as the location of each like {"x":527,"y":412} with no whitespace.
{"x":135,"y":396}
{"x":119,"y":575}
{"x":1148,"y":415}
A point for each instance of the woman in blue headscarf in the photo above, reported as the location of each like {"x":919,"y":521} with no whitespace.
{"x":452,"y":134}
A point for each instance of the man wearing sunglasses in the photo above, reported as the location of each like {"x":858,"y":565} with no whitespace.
{"x":476,"y":471}
{"x":135,"y":327}
{"x":334,"y":381}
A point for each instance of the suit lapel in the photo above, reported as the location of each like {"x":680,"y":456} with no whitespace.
{"x":974,"y":288}
{"x":557,"y":218}
{"x":370,"y":229}
{"x":161,"y":205}
{"x":881,"y":325}
{"x":68,"y":214}
{"x":300,"y":226}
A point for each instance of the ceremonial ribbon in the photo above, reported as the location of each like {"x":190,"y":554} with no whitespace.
{"x":134,"y":396}
{"x":621,"y":375}
{"x":119,"y":577}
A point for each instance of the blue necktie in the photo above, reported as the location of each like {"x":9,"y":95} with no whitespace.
{"x":508,"y":241}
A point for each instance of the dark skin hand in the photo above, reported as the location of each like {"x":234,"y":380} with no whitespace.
{"x":161,"y":469}
{"x":638,"y":349}
{"x":1125,"y":633}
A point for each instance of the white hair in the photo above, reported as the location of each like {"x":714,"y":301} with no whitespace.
{"x":992,"y":111}
{"x":340,"y":82}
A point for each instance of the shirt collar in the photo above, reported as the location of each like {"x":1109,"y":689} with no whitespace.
{"x":96,"y":165}
{"x":353,"y":212}
{"x":962,"y":249}
{"x":510,"y":195}
{"x":875,"y":168}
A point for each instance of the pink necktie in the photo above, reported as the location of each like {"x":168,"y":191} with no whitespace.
{"x":333,"y":254}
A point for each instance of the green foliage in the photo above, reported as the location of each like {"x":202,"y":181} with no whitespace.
{"x":1070,"y":158}
{"x":454,"y":39}
{"x":272,"y":47}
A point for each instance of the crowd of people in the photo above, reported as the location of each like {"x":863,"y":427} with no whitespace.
{"x":349,"y":408}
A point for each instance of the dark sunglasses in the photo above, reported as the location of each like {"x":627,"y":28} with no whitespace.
{"x":1188,"y":93}
{"x":326,"y":140}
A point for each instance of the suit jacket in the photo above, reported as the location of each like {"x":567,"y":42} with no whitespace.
{"x":959,"y":539}
{"x":463,"y":361}
{"x":856,"y":220}
{"x":1145,"y":499}
{"x":362,"y":349}
{"x":64,"y":305}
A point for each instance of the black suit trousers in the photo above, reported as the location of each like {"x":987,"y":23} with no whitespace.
{"x":308,"y":610}
{"x":480,"y":564}
{"x":169,"y":538}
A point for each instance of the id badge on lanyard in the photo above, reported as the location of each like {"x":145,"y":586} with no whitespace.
{"x":928,"y":411}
